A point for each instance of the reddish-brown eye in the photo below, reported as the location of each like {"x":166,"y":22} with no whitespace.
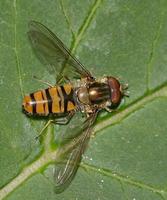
{"x":115,"y":90}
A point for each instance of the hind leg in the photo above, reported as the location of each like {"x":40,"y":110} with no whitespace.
{"x":60,"y":120}
{"x":64,"y":120}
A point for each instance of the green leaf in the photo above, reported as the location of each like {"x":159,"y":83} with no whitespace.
{"x":127,"y":157}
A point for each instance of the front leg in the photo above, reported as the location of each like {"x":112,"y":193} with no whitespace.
{"x":109,"y":109}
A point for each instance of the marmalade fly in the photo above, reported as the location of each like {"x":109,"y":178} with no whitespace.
{"x":87,"y":95}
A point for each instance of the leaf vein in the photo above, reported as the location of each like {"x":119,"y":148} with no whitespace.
{"x":123,"y":179}
{"x":67,"y":18}
{"x":87,"y":21}
{"x":16,"y":47}
{"x":83,"y":28}
{"x":153,"y":48}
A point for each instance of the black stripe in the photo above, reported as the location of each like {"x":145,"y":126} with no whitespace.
{"x":67,"y":97}
{"x":33,"y":103}
{"x":43,"y":98}
{"x":49,"y":99}
{"x":59,"y":97}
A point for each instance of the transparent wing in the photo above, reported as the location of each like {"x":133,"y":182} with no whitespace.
{"x":71,"y":130}
{"x":68,"y":164}
{"x":53,"y":53}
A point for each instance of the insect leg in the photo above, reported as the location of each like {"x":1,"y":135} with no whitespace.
{"x":42,"y":81}
{"x":61,"y":79}
{"x":43,"y":129}
{"x":60,"y":120}
{"x":64,"y":120}
{"x":109,"y":109}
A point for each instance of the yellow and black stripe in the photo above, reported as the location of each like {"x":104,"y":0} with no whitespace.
{"x":58,"y":99}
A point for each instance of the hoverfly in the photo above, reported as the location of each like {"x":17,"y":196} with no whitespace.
{"x":87,"y":95}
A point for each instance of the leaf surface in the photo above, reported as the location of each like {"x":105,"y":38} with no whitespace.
{"x":127,"y":157}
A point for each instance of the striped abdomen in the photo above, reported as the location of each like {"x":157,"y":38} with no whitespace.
{"x":58,"y":99}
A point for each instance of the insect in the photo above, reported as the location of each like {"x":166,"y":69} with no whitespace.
{"x":85,"y":94}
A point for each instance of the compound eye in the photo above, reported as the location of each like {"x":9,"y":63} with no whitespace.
{"x":115,"y":89}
